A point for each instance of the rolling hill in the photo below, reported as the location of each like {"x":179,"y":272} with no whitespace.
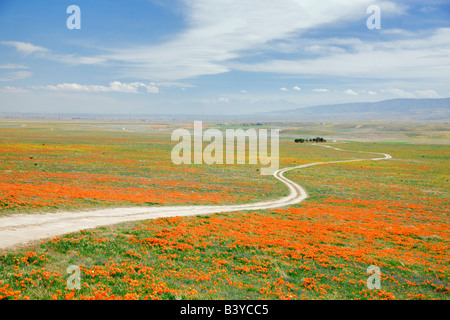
{"x":395,"y":110}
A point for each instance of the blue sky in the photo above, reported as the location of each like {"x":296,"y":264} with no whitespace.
{"x":218,"y":56}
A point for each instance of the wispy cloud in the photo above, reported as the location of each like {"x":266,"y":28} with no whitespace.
{"x":23,"y":47}
{"x":279,"y":51}
{"x":115,"y":86}
{"x":174,"y":84}
{"x":74,"y":59}
{"x":425,"y":93}
{"x":369,"y":92}
{"x":13,"y":66}
{"x":427,"y":57}
{"x":222,"y":30}
{"x":40,"y":52}
{"x":350,"y":92}
{"x":220,"y":100}
{"x":398,"y":92}
{"x":17,"y":75}
{"x":9,"y":89}
{"x":428,"y":93}
{"x":14,"y":75}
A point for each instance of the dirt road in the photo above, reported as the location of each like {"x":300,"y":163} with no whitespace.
{"x":21,"y":229}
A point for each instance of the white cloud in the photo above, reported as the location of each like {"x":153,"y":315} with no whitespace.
{"x":115,"y":86}
{"x":73,"y":59}
{"x":174,"y":84}
{"x":391,"y":8}
{"x":284,"y":89}
{"x":421,"y":57}
{"x":215,"y":101}
{"x":369,"y":92}
{"x":221,"y":30}
{"x":398,"y":92}
{"x":397,"y":31}
{"x":321,"y":90}
{"x":13,"y":66}
{"x":350,"y":92}
{"x":296,"y":88}
{"x":244,"y":91}
{"x":23,"y":47}
{"x":428,"y":93}
{"x":318,"y":49}
{"x":28,"y":49}
{"x":17,"y":75}
{"x":8,"y":89}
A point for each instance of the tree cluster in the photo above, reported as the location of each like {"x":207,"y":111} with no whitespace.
{"x":317,"y":139}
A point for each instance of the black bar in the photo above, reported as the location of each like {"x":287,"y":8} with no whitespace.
{"x":223,"y":309}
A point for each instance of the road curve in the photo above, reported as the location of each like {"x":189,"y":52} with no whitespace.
{"x":22,"y":229}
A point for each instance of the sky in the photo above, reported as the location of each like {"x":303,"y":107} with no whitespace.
{"x":219,"y":56}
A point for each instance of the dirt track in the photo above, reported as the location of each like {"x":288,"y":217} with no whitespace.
{"x":20,"y":229}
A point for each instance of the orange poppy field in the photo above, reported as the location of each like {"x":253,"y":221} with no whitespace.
{"x":392,"y":214}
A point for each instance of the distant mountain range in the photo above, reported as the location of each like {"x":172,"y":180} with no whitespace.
{"x":396,"y":110}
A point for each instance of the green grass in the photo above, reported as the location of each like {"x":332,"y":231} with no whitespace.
{"x":389,"y":213}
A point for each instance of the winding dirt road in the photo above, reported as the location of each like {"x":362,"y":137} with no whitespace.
{"x":22,"y":229}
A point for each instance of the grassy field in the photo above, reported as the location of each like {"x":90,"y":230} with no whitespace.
{"x":49,"y":166}
{"x":392,"y":214}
